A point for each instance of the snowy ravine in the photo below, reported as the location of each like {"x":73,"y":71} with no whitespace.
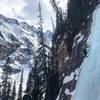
{"x":88,"y":86}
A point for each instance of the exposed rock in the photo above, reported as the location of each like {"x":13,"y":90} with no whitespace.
{"x":7,"y":49}
{"x":67,"y":45}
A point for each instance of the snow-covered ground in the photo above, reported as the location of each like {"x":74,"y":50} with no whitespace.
{"x":88,"y":86}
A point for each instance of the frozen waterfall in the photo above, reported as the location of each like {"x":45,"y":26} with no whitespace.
{"x":88,"y":86}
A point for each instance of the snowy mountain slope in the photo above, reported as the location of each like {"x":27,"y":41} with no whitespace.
{"x":88,"y":86}
{"x":13,"y":33}
{"x":18,"y":42}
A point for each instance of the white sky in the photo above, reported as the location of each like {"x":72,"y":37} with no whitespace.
{"x":27,"y":10}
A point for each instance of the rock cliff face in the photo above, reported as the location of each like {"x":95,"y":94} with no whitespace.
{"x":68,"y":45}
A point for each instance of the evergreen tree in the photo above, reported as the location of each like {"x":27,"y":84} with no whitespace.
{"x":53,"y":82}
{"x":20,"y":88}
{"x":29,"y":87}
{"x":0,"y":91}
{"x":36,"y":90}
{"x":59,"y":18}
{"x":32,"y":90}
{"x":9,"y":88}
{"x":6,"y":83}
{"x":42,"y":64}
{"x":39,"y":84}
{"x":41,"y":60}
{"x":13,"y":95}
{"x":45,"y":67}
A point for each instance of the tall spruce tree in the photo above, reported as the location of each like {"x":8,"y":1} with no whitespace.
{"x":39,"y":85}
{"x":29,"y":87}
{"x":9,"y":88}
{"x":45,"y":67}
{"x":53,"y":82}
{"x":59,"y":18}
{"x":32,"y":89}
{"x":20,"y":91}
{"x":6,"y":79}
{"x":35,"y":91}
{"x":41,"y":58}
{"x":13,"y":95}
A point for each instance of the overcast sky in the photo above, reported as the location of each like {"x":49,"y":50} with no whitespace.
{"x":27,"y":10}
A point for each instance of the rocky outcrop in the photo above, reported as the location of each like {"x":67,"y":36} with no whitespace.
{"x":68,"y":45}
{"x":7,"y":49}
